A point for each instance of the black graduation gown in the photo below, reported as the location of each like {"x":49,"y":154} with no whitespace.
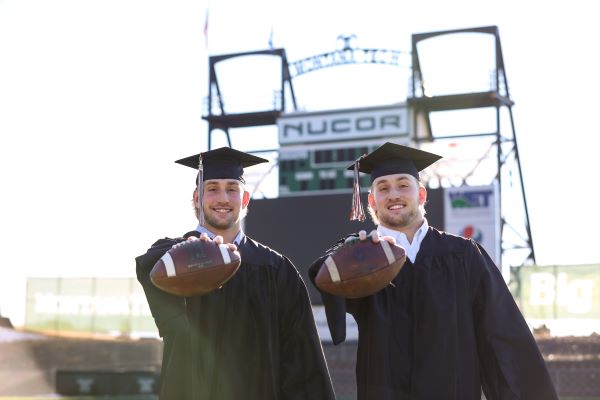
{"x":445,"y":329}
{"x":255,"y":338}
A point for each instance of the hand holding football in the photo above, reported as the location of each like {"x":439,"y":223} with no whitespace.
{"x":195,"y":267}
{"x":360,"y":268}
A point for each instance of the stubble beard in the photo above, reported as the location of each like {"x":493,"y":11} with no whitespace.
{"x":217,"y":223}
{"x":400,"y":221}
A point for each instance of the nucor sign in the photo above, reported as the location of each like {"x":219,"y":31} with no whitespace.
{"x":336,"y":126}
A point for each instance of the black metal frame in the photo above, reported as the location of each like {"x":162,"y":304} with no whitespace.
{"x":498,"y":96}
{"x":223,"y":120}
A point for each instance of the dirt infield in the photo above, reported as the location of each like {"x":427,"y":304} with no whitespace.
{"x":29,"y":361}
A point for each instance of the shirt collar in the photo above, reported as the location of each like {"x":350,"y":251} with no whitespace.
{"x":238,"y":239}
{"x":412,"y":249}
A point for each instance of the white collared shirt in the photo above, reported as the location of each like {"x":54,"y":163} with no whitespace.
{"x":401,"y":240}
{"x":238,"y":239}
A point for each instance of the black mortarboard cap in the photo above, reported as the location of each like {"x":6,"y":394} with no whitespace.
{"x":387,"y":159}
{"x":222,"y":163}
{"x":392,"y":158}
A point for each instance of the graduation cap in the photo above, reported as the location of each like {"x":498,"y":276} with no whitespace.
{"x":221,"y":163}
{"x":387,"y":159}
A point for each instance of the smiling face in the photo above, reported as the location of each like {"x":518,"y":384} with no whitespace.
{"x":225,"y":202}
{"x":396,"y":201}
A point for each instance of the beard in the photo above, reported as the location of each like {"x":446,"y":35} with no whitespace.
{"x":398,"y":221}
{"x":219,"y":223}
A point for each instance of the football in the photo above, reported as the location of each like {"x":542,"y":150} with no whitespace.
{"x":360,"y":268}
{"x":195,"y":267}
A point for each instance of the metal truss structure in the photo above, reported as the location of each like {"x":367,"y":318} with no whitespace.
{"x":501,"y":150}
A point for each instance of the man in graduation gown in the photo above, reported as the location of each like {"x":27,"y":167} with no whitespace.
{"x":255,"y":337}
{"x":447,"y":326}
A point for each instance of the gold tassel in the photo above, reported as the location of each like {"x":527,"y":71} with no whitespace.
{"x":357,"y":213}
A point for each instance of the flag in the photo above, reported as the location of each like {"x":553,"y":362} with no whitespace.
{"x":206,"y":29}
{"x":271,"y":38}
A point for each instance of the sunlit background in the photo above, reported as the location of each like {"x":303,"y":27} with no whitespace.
{"x":97,"y":99}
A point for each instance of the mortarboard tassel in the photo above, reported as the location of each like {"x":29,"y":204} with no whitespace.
{"x":200,"y":190}
{"x":357,"y":213}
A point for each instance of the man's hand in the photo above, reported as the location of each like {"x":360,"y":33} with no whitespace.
{"x":218,"y":240}
{"x":373,"y":235}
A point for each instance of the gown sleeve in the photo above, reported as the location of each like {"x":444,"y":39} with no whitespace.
{"x":335,"y":307}
{"x":511,"y":363}
{"x":304,"y":373}
{"x":168,"y":310}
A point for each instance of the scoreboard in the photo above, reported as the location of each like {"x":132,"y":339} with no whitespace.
{"x":317,"y":148}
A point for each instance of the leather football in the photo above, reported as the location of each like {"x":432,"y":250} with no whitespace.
{"x":360,"y":268}
{"x":195,"y":267}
